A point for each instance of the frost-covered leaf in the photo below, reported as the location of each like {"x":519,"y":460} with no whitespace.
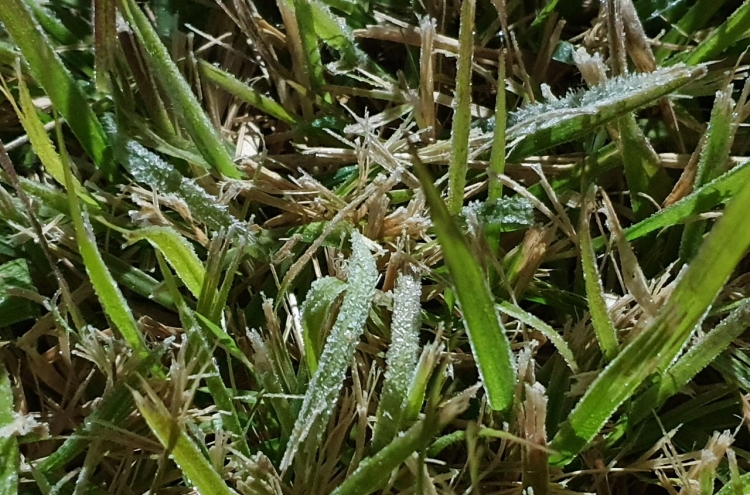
{"x":316,"y":316}
{"x":322,"y":395}
{"x":401,"y":360}
{"x":506,"y":214}
{"x":535,"y":128}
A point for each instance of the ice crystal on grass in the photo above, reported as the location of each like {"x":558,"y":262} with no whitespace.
{"x":323,"y":392}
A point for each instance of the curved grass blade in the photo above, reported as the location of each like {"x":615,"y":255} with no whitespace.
{"x":604,"y":328}
{"x":734,"y":29}
{"x":655,"y":348}
{"x":9,"y":455}
{"x":322,"y":394}
{"x":401,"y":360}
{"x":48,"y":70}
{"x":690,"y":364}
{"x":539,"y":127}
{"x":113,"y":302}
{"x":702,"y":200}
{"x":315,"y":314}
{"x":234,"y":86}
{"x":206,"y":138}
{"x":487,"y":336}
{"x":546,"y":330}
{"x":172,"y":436}
{"x":462,"y":112}
{"x":178,"y":252}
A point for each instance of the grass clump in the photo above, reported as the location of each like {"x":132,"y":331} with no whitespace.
{"x":322,"y":247}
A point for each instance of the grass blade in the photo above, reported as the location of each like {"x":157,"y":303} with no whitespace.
{"x":401,"y":360}
{"x":178,"y":252}
{"x":9,"y":455}
{"x":323,"y":391}
{"x":497,"y":155}
{"x":316,"y":316}
{"x":546,"y":330}
{"x":173,"y":437}
{"x":695,"y":360}
{"x":462,"y":111}
{"x":605,"y":331}
{"x":48,"y":70}
{"x":655,"y":348}
{"x":113,"y":302}
{"x":486,"y":334}
{"x":206,"y":138}
{"x":719,"y":39}
{"x":539,"y":127}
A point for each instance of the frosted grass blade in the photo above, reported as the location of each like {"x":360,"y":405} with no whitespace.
{"x":206,"y":138}
{"x":173,"y":437}
{"x":462,"y":111}
{"x":401,"y":360}
{"x":655,"y":348}
{"x":48,"y":70}
{"x":487,"y":336}
{"x":536,"y":128}
{"x":604,"y":328}
{"x":110,"y":296}
{"x":322,"y":394}
{"x":546,"y":330}
{"x":691,"y":363}
{"x":178,"y":252}
{"x":315,"y":314}
{"x":702,"y":200}
{"x":9,"y":455}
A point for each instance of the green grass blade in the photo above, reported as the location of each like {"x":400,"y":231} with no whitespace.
{"x":234,"y":86}
{"x":401,"y":360}
{"x":604,"y":328}
{"x":486,"y":334}
{"x":734,"y":29}
{"x":546,"y":330}
{"x":173,"y":437}
{"x":462,"y":111}
{"x":323,"y":391}
{"x":714,"y":155}
{"x":178,"y":252}
{"x":313,"y":66}
{"x":9,"y":455}
{"x":48,"y":70}
{"x":655,"y":348}
{"x":206,"y":138}
{"x":702,"y":200}
{"x":315,"y":314}
{"x":690,"y":364}
{"x":643,"y":169}
{"x":693,"y":20}
{"x":113,"y":302}
{"x":539,"y":127}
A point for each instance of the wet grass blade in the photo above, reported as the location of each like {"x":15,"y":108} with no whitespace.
{"x":462,"y":111}
{"x":48,"y":70}
{"x":401,"y":360}
{"x":178,"y":252}
{"x":321,"y":396}
{"x":234,"y":86}
{"x":605,"y":331}
{"x":486,"y":334}
{"x":528,"y":319}
{"x":173,"y":437}
{"x":690,"y":364}
{"x":655,"y":348}
{"x":114,"y":303}
{"x":9,"y":455}
{"x":702,"y":200}
{"x":536,"y":128}
{"x":206,"y":138}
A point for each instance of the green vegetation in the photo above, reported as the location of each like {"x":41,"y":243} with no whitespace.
{"x":352,"y":247}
